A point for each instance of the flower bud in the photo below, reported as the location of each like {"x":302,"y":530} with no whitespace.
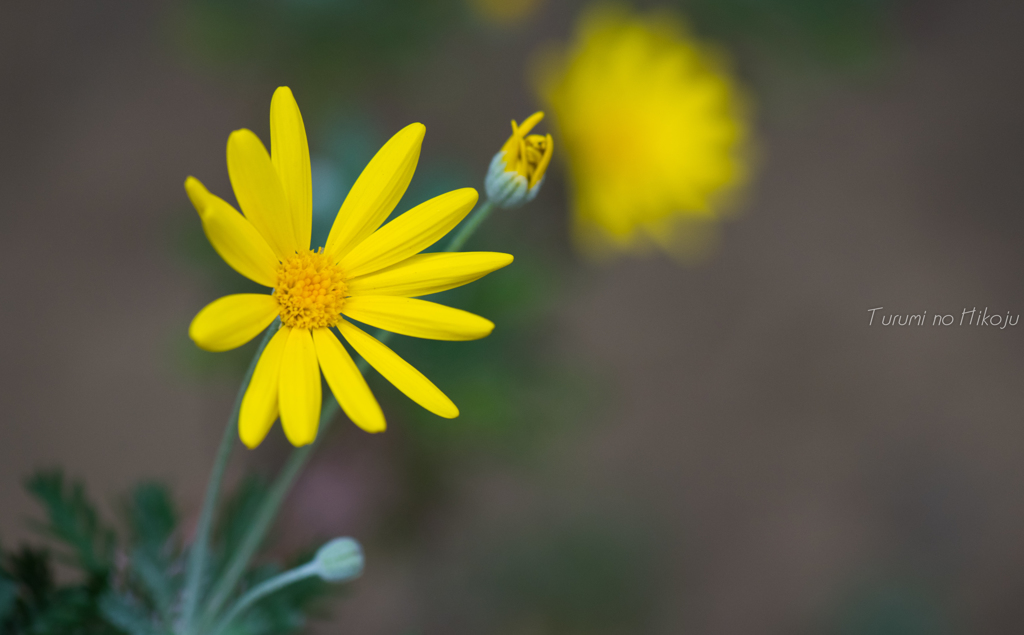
{"x":339,"y":560}
{"x":517,"y":170}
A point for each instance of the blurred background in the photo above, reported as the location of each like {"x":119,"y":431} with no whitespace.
{"x":648,"y":443}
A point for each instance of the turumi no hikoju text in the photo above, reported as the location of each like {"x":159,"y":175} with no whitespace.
{"x":968,"y":317}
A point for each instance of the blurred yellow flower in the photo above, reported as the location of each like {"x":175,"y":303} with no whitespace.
{"x":365,"y":272}
{"x":652,"y":129}
{"x":517,"y":169}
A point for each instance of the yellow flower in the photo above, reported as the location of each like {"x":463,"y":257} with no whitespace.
{"x":651,"y":128}
{"x":517,"y":170}
{"x":365,"y":272}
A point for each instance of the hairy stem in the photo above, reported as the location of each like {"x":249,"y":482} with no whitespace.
{"x":262,"y":590}
{"x":469,"y":226}
{"x":201,"y":545}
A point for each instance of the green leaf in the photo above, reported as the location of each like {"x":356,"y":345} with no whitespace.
{"x":153,"y":516}
{"x":238,"y":516}
{"x":31,"y":568}
{"x":153,"y":520}
{"x":127,"y":615}
{"x":73,"y":520}
{"x":8,"y":595}
{"x":154,"y":577}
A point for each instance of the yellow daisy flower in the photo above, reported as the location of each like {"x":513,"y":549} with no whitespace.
{"x":651,"y":128}
{"x":365,"y":272}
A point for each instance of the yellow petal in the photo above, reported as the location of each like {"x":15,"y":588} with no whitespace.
{"x":299,"y":390}
{"x":542,"y":165}
{"x":259,"y":405}
{"x":417,"y":318}
{"x":234,"y":237}
{"x":428,"y":273}
{"x":399,"y":372}
{"x":347,"y":383}
{"x":259,"y":191}
{"x":410,"y":233}
{"x":377,"y":190}
{"x":289,"y":152}
{"x":232,"y":320}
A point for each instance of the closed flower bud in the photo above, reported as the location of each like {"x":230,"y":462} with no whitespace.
{"x":517,"y":170}
{"x":339,"y":560}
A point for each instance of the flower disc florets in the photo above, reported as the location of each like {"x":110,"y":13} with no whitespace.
{"x":310,"y":291}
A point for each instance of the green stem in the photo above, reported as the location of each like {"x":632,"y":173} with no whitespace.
{"x":470,"y":226}
{"x":264,"y":589}
{"x":297,"y":460}
{"x":201,"y":544}
{"x":264,"y":518}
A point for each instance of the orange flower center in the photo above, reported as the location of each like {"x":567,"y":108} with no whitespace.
{"x":310,"y":291}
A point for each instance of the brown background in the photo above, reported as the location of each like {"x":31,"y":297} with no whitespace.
{"x":788,"y":447}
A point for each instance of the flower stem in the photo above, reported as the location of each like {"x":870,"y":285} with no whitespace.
{"x":470,"y":226}
{"x":239,"y":562}
{"x":200,"y":546}
{"x":264,"y":589}
{"x":264,"y":518}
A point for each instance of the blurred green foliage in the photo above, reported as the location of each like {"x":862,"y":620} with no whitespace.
{"x":890,"y":605}
{"x":130,"y":586}
{"x":326,"y":45}
{"x":829,"y":34}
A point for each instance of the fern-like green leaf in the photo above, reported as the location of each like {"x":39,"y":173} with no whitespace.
{"x":8,"y":596}
{"x":239,"y":513}
{"x":153,"y":516}
{"x":128,"y":615}
{"x":153,"y":520}
{"x":73,"y":520}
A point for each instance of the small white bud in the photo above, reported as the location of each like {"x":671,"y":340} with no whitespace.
{"x":339,"y":560}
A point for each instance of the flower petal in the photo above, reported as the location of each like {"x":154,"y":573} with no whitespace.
{"x":289,"y":152}
{"x":410,"y":233}
{"x":299,"y":389}
{"x":429,"y":273}
{"x":542,"y":165}
{"x":233,"y":320}
{"x":259,"y":191}
{"x":417,"y":318}
{"x":259,"y":405}
{"x":347,"y":383}
{"x":398,"y":371}
{"x":377,"y":190}
{"x":234,"y":237}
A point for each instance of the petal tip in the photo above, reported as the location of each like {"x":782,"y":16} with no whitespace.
{"x":466,"y":196}
{"x":241,"y":135}
{"x":297,"y":438}
{"x":447,"y":413}
{"x":250,"y":443}
{"x":417,"y":129}
{"x":374,"y":427}
{"x":197,"y":192}
{"x":195,"y":335}
{"x":487,"y":329}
